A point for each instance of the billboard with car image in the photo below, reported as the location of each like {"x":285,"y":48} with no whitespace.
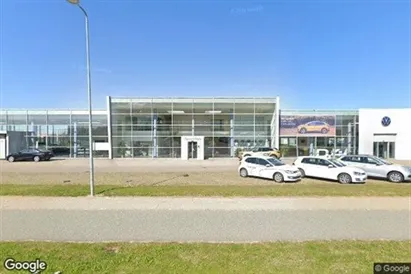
{"x":307,"y":125}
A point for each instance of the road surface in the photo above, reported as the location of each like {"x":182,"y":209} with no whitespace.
{"x":101,"y":219}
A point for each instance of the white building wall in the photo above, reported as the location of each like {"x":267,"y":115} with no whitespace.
{"x":370,"y":123}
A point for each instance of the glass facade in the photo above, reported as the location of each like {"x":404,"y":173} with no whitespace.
{"x":341,"y":138}
{"x":63,"y":132}
{"x":154,"y":127}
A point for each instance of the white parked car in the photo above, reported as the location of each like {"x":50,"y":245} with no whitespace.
{"x":378,"y":167}
{"x":269,"y":168}
{"x":320,"y":167}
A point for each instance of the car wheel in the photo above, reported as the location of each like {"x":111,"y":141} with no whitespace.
{"x":243,"y":172}
{"x":36,"y":159}
{"x":324,"y":131}
{"x":247,"y":155}
{"x":303,"y":130}
{"x":395,"y":177}
{"x":274,"y":156}
{"x":302,"y":172}
{"x":344,"y":178}
{"x":11,"y":159}
{"x":278,"y":177}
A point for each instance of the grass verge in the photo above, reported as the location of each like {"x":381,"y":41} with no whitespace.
{"x":210,"y":190}
{"x":307,"y":257}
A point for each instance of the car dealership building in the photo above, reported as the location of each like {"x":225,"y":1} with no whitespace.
{"x":203,"y":128}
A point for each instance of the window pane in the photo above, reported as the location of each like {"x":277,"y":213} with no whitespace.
{"x":203,"y":119}
{"x":141,"y":107}
{"x":225,"y":108}
{"x":306,"y":146}
{"x":37,"y":119}
{"x":203,"y":130}
{"x":120,"y":119}
{"x":268,"y":108}
{"x":344,"y":120}
{"x":164,"y":142}
{"x":162,"y":108}
{"x":182,"y":120}
{"x":17,"y":121}
{"x":203,"y":107}
{"x":243,"y":119}
{"x":344,"y":131}
{"x":186,"y":108}
{"x":222,"y":147}
{"x":176,"y":141}
{"x":164,"y":152}
{"x":392,"y":150}
{"x":142,"y":147}
{"x":182,"y":130}
{"x":244,"y":130}
{"x":244,"y":108}
{"x":163,"y":119}
{"x":123,"y":141}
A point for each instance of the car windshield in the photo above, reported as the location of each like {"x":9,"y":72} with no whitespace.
{"x":337,"y":162}
{"x":275,"y":162}
{"x":382,"y":161}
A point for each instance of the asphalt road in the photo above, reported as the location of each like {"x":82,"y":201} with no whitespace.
{"x":204,"y":220}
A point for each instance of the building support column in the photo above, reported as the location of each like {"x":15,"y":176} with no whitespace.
{"x":155,"y":148}
{"x":232,"y":149}
{"x":70,"y":129}
{"x":47,"y":130}
{"x":109,"y":129}
{"x":75,"y":139}
{"x":349,"y":135}
{"x":33,"y":139}
{"x":192,"y":126}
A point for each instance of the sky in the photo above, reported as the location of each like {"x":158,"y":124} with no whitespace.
{"x":335,"y":54}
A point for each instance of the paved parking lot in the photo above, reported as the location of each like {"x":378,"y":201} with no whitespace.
{"x":132,"y":172}
{"x":122,"y":165}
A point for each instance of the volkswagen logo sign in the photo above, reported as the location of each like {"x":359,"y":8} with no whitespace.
{"x":386,"y":121}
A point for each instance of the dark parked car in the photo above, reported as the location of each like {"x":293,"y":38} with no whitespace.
{"x":32,"y":154}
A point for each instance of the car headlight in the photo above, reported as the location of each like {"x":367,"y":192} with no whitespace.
{"x":289,"y":171}
{"x":357,"y":173}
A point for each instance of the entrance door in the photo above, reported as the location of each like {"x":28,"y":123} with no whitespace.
{"x":384,"y":149}
{"x":306,"y":146}
{"x":192,"y":150}
{"x":2,"y":148}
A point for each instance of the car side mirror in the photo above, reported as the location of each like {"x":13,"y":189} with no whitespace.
{"x":330,"y":166}
{"x":267,"y":165}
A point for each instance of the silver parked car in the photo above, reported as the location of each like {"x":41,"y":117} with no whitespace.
{"x":378,"y":167}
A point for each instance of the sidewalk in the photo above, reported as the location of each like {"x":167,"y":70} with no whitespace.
{"x":188,"y":203}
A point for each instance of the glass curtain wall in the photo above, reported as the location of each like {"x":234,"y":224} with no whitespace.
{"x":344,"y":140}
{"x":63,"y":132}
{"x":154,"y":127}
{"x":252,"y":124}
{"x":346,"y":133}
{"x":121,"y":129}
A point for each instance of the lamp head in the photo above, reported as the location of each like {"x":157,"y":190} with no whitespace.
{"x":74,"y":2}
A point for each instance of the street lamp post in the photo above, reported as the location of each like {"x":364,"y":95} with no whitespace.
{"x":90,"y":117}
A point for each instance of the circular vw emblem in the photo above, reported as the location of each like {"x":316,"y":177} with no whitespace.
{"x":386,"y":121}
